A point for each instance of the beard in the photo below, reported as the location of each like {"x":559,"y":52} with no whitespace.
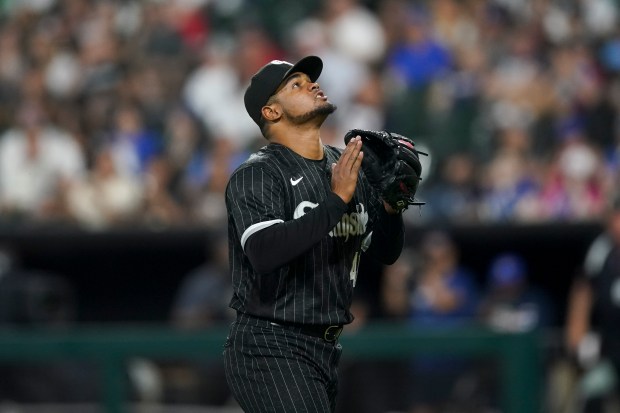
{"x":318,"y":113}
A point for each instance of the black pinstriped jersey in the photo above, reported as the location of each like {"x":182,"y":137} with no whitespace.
{"x":276,"y":185}
{"x":602,"y":267}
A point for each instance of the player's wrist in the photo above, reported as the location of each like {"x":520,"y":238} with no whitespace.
{"x":339,"y":197}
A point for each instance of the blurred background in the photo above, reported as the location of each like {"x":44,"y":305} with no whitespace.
{"x":121,"y":121}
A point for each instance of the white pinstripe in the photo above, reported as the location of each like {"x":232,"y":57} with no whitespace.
{"x":297,"y":373}
{"x":314,"y":288}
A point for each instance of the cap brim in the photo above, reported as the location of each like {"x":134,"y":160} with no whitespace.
{"x":310,"y":65}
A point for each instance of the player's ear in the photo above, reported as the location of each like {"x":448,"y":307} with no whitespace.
{"x":272,"y":112}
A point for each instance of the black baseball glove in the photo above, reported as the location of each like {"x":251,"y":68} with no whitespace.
{"x":391,"y":165}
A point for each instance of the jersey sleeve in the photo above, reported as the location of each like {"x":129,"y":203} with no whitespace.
{"x":254,"y":200}
{"x":273,"y":247}
{"x":386,"y":240}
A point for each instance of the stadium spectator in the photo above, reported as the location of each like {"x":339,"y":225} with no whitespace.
{"x":435,"y":292}
{"x":574,"y":184}
{"x":161,"y":208}
{"x":415,"y":62}
{"x":419,"y":57}
{"x":510,"y":302}
{"x":104,"y":198}
{"x":353,"y":30}
{"x":445,"y":294}
{"x":396,"y":284}
{"x":348,"y":80}
{"x":206,"y":178}
{"x":201,"y":302}
{"x":213,"y":90}
{"x":131,"y":144}
{"x":456,"y":76}
{"x":454,"y":194}
{"x":509,"y":188}
{"x":38,"y":161}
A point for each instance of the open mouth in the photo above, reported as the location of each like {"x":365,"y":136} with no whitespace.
{"x":321,"y":95}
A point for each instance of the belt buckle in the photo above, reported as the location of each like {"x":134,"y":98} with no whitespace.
{"x":332,"y":333}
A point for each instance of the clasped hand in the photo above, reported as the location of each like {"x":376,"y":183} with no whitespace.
{"x":346,"y":170}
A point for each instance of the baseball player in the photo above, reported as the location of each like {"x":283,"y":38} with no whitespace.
{"x":300,"y":215}
{"x":594,"y":307}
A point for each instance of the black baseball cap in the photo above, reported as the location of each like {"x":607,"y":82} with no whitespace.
{"x":267,"y":80}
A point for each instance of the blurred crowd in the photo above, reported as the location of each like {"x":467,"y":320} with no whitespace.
{"x":124,"y":113}
{"x":127,"y":112}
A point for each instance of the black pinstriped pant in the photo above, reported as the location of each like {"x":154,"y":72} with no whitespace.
{"x":272,"y":369}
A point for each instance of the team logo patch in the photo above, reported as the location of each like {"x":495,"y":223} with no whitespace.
{"x":351,"y":224}
{"x":280,"y":62}
{"x":302,"y":208}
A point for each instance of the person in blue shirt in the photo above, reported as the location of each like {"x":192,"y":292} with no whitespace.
{"x":441,"y":294}
{"x":511,"y":302}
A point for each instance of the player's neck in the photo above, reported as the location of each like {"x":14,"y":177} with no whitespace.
{"x":304,"y":142}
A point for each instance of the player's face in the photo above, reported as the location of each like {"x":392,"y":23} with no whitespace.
{"x":303,"y":100}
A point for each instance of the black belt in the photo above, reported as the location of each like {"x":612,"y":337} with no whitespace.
{"x":329,"y":333}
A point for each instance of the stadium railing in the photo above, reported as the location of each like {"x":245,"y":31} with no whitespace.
{"x":519,"y":355}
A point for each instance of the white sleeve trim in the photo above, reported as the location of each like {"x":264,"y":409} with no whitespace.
{"x":255,"y":228}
